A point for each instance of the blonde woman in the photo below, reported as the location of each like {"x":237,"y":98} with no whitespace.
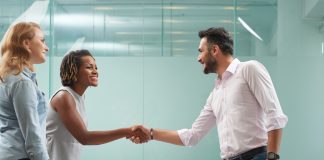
{"x":22,"y":104}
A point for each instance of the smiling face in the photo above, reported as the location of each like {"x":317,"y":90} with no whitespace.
{"x":87,"y":74}
{"x":206,"y":57}
{"x":37,"y":47}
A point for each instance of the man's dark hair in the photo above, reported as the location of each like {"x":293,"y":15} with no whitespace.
{"x":70,"y":66}
{"x":220,"y":37}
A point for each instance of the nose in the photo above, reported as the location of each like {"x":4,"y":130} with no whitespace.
{"x":95,"y":71}
{"x":199,"y":58}
{"x":46,"y":48}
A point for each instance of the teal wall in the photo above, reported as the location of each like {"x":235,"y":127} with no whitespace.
{"x":299,"y":81}
{"x":168,"y":92}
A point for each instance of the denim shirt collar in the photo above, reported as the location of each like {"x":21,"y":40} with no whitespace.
{"x":28,"y":73}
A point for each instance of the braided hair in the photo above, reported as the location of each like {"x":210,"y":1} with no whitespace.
{"x":70,"y":66}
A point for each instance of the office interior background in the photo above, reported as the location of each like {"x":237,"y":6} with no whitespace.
{"x":146,"y":52}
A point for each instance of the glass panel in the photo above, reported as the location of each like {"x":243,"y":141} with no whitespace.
{"x":10,"y":11}
{"x":182,"y":20}
{"x":256,"y":29}
{"x":110,"y":29}
{"x":146,"y":54}
{"x":14,"y":11}
{"x":73,"y":28}
{"x":115,"y":34}
{"x":145,"y":28}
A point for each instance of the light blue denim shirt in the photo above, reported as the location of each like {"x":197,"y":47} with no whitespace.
{"x":23,"y":110}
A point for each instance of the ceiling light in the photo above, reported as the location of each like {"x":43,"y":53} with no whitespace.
{"x":175,"y":7}
{"x":226,"y":21}
{"x":180,"y":41}
{"x":232,"y":8}
{"x":102,"y":8}
{"x":172,"y":21}
{"x":137,"y":33}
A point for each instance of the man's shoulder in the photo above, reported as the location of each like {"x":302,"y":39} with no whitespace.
{"x":250,"y":63}
{"x":251,"y":66}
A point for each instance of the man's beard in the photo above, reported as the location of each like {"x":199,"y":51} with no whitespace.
{"x":211,"y":64}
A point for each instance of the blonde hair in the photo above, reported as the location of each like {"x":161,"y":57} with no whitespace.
{"x":14,"y":55}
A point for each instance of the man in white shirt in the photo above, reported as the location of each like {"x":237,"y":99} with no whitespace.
{"x":243,"y":105}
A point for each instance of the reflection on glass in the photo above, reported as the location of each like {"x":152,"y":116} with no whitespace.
{"x":35,"y":13}
{"x":248,"y":28}
{"x":153,"y":28}
{"x":256,"y":31}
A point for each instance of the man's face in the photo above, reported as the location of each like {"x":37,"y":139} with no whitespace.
{"x":206,"y":57}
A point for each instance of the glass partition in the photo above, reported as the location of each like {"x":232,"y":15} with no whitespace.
{"x":167,"y":28}
{"x":146,"y":53}
{"x":256,"y":28}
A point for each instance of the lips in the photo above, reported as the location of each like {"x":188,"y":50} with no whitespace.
{"x":204,"y":65}
{"x":95,"y":78}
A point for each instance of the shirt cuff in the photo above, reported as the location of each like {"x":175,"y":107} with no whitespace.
{"x":186,"y":137}
{"x":277,"y":122}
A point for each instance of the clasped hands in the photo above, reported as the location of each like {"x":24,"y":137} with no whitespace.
{"x":139,"y":134}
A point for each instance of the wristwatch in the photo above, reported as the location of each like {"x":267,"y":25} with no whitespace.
{"x":273,"y":156}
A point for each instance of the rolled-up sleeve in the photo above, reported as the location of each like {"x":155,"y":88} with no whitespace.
{"x":201,"y":126}
{"x":25,"y":102}
{"x":263,"y":89}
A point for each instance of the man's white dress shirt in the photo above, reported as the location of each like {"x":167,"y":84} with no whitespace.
{"x":244,"y":106}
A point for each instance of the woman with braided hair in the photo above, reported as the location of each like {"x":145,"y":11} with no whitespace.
{"x":66,"y":121}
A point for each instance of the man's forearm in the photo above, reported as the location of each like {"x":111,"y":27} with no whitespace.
{"x":274,"y":140}
{"x":168,"y":136}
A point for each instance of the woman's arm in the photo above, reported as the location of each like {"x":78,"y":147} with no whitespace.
{"x":64,"y":104}
{"x":24,"y":99}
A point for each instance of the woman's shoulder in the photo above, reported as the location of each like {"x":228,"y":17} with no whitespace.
{"x":14,"y":79}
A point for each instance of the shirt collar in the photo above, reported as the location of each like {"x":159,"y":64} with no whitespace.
{"x":230,"y":70}
{"x":27,"y":72}
{"x":233,"y":66}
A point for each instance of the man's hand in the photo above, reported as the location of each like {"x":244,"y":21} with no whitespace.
{"x":139,"y":135}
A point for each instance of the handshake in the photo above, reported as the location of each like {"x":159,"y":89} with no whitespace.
{"x":140,"y":134}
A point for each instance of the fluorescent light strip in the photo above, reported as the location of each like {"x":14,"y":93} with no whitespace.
{"x":225,"y":21}
{"x":233,"y":8}
{"x":175,"y":7}
{"x":172,"y":21}
{"x":102,"y":8}
{"x":322,"y":47}
{"x":137,"y":33}
{"x":247,"y":27}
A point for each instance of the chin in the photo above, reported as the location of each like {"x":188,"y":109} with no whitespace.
{"x":206,"y":71}
{"x":94,"y":85}
{"x":41,"y":61}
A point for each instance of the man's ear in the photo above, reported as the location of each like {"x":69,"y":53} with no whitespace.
{"x":215,"y":49}
{"x":26,"y":44}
